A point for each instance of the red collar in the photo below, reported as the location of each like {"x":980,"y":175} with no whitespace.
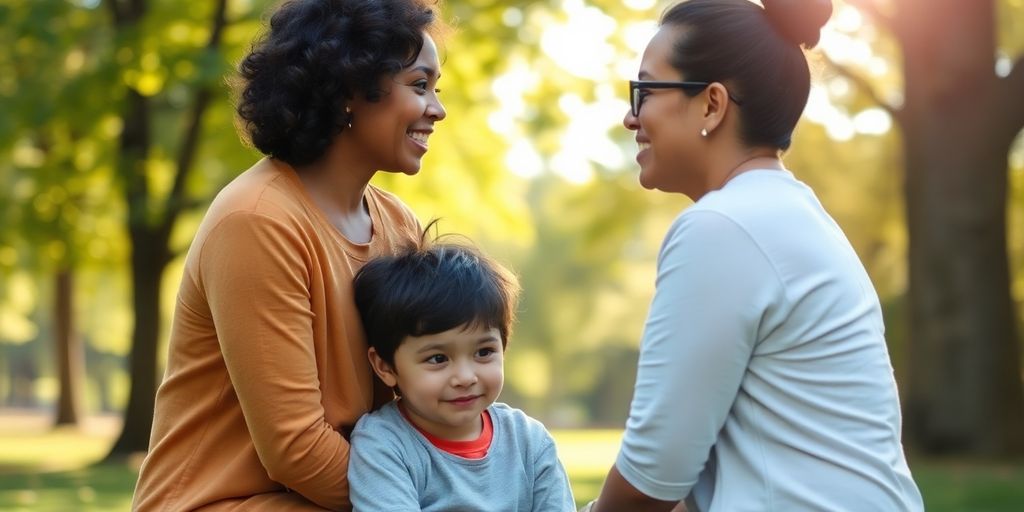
{"x":474,"y":449}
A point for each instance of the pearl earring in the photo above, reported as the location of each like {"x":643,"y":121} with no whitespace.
{"x":703,"y":132}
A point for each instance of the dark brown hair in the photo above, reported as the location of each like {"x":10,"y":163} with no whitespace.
{"x":755,"y":52}
{"x":430,"y":288}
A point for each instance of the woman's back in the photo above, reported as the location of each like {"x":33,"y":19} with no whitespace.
{"x":815,"y":423}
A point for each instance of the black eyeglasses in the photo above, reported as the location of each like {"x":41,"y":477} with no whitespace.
{"x":636,"y":99}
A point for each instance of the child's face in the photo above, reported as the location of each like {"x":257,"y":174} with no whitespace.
{"x":447,"y":379}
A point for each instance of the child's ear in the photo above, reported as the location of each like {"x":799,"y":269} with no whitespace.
{"x":382,"y":368}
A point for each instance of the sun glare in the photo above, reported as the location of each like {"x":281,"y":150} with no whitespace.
{"x":580,"y":46}
{"x":844,"y":39}
{"x":579,"y":43}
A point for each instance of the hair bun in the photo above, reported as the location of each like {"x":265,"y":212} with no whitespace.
{"x":799,"y":21}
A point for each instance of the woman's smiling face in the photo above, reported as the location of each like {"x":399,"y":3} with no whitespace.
{"x":392,"y":133}
{"x":668,"y":123}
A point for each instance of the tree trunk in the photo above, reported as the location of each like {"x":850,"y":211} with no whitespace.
{"x":965,"y":387}
{"x":69,"y":351}
{"x":965,"y":393}
{"x":149,"y":259}
{"x":150,"y":230}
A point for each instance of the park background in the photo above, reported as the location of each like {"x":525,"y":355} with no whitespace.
{"x":116,"y":130}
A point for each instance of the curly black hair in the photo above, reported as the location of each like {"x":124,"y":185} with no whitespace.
{"x":317,"y":55}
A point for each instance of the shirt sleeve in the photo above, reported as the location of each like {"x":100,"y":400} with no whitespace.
{"x":713,"y":287}
{"x":551,"y":489}
{"x":379,"y":475}
{"x":255,"y":271}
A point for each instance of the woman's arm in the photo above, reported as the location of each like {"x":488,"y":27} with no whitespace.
{"x":618,"y":494}
{"x":255,"y":271}
{"x":713,"y":288}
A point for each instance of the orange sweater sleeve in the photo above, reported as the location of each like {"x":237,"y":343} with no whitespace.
{"x":255,"y":270}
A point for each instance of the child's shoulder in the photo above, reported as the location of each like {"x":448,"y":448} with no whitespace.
{"x":386,"y":419}
{"x":516,"y":419}
{"x":503,"y":410}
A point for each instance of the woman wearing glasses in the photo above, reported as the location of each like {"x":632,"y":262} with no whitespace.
{"x":763,"y":381}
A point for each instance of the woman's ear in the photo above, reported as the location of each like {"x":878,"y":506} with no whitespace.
{"x":716,"y":106}
{"x":382,"y":368}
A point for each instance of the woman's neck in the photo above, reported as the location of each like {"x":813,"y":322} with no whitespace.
{"x":338,"y":190}
{"x":754,"y":159}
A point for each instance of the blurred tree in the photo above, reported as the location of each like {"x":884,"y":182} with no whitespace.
{"x":579,"y":258}
{"x":79,"y":93}
{"x":152,"y":216}
{"x":962,"y":108}
{"x":48,"y":176}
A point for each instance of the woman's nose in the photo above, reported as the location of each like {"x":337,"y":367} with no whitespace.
{"x":435,"y":110}
{"x":630,"y":121}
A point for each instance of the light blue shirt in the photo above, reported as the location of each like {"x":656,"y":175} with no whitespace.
{"x":394,"y":468}
{"x":764,"y":383}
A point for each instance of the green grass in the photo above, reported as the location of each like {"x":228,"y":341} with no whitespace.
{"x":956,"y":486}
{"x":93,"y":489}
{"x":587,"y":455}
{"x":42,"y":469}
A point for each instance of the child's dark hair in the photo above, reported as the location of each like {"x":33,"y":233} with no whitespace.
{"x":429,"y":288}
{"x":294,"y":84}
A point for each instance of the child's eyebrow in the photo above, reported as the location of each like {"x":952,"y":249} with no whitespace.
{"x":432,"y":348}
{"x":441,"y":347}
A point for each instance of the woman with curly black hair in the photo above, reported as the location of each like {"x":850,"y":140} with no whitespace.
{"x":266,"y":368}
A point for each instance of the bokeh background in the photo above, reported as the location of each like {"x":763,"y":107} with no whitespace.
{"x":116,"y":130}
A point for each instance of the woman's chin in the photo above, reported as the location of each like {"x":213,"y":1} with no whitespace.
{"x":408,"y":170}
{"x":646,"y":180}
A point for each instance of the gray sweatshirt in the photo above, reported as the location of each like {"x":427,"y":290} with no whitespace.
{"x":394,"y":468}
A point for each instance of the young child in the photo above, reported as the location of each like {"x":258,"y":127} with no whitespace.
{"x":437,"y":319}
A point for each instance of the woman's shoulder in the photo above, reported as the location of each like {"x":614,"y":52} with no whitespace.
{"x":757,"y":194}
{"x":752,"y":205}
{"x":265,"y":189}
{"x":391,"y":206}
{"x":399,"y":225}
{"x":259,"y":205}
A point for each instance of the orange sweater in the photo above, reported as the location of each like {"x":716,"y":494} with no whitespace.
{"x":267,"y":359}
